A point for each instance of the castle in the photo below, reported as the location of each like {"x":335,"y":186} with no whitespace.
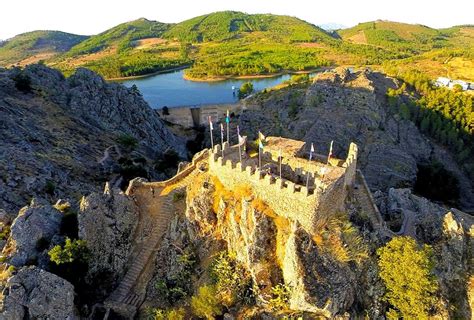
{"x":293,"y":186}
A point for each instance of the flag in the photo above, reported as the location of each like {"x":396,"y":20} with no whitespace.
{"x":241,"y":139}
{"x":261,"y":137}
{"x":210,"y":124}
{"x":222,"y":131}
{"x":279,"y":154}
{"x":330,"y":150}
{"x":311,"y":152}
{"x":260,"y":145}
{"x":227,"y":118}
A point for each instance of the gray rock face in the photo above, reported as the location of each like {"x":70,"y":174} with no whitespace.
{"x":38,"y":221}
{"x":107,"y":222}
{"x":54,"y":137}
{"x":352,"y":108}
{"x":33,"y":293}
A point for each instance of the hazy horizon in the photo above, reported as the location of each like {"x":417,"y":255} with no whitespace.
{"x":89,"y":17}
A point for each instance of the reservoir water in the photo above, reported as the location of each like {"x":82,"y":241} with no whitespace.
{"x":170,"y":89}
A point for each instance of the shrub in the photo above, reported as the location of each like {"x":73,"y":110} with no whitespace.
{"x":5,"y":233}
{"x":160,"y":314}
{"x":166,"y":111}
{"x":280,"y":297}
{"x":73,"y":250}
{"x":49,"y":187}
{"x":22,"y":82}
{"x":232,"y":282}
{"x":245,"y":90}
{"x":127,"y":141}
{"x":206,"y":304}
{"x":406,"y":270}
{"x":178,"y":286}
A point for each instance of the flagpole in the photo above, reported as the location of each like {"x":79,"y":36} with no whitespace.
{"x":227,"y":120}
{"x":238,"y":142}
{"x":330,"y":152}
{"x":210,"y":131}
{"x":222,"y":141}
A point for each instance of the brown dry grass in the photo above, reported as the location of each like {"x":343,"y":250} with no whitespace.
{"x":358,"y":38}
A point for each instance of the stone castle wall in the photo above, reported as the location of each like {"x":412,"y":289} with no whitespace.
{"x":286,"y":198}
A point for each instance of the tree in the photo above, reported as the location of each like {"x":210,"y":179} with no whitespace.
{"x":406,"y":270}
{"x":73,"y":251}
{"x":166,"y":111}
{"x":457,"y":88}
{"x":206,"y":303}
{"x":245,"y":90}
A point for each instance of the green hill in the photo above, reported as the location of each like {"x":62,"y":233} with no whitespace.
{"x":36,"y":45}
{"x":229,"y":25}
{"x":395,"y":36}
{"x":120,"y":36}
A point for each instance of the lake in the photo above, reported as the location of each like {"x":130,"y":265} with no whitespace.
{"x":170,"y":89}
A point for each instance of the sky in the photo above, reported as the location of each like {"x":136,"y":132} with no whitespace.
{"x":94,"y":16}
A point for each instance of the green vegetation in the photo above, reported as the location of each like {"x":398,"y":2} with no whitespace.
{"x":406,"y":270}
{"x":179,"y":285}
{"x":73,"y":251}
{"x":232,"y":43}
{"x":37,"y":43}
{"x":5,"y":233}
{"x":227,"y":25}
{"x":253,"y":56}
{"x":127,"y":141}
{"x":232,"y":282}
{"x":121,"y":36}
{"x":22,"y":82}
{"x":445,"y":115}
{"x":161,"y":314}
{"x":245,"y":90}
{"x":206,"y":303}
{"x":280,"y":297}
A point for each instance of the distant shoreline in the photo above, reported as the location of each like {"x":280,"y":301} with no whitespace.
{"x":217,"y":79}
{"x":250,"y":76}
{"x":148,"y":74}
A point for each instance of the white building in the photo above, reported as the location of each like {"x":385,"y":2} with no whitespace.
{"x":443,"y":82}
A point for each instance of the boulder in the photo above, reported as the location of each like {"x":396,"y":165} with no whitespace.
{"x":107,"y":222}
{"x":37,"y":222}
{"x":33,"y":293}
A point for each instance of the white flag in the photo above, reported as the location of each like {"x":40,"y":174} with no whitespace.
{"x":330,"y":150}
{"x":210,"y":124}
{"x":312,"y":148}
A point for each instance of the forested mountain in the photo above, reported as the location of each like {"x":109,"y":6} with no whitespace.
{"x":230,"y":43}
{"x":229,"y":25}
{"x":34,"y":46}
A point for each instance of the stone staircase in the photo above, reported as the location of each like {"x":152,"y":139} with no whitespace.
{"x":367,"y":204}
{"x":124,"y":293}
{"x":127,"y":297}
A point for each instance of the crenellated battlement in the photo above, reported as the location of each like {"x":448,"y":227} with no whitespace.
{"x":298,"y":191}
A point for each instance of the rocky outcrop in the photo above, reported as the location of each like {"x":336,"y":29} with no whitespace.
{"x":56,"y":134}
{"x":33,"y":293}
{"x":37,"y":223}
{"x":107,"y":223}
{"x":352,"y":107}
{"x":273,"y":249}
